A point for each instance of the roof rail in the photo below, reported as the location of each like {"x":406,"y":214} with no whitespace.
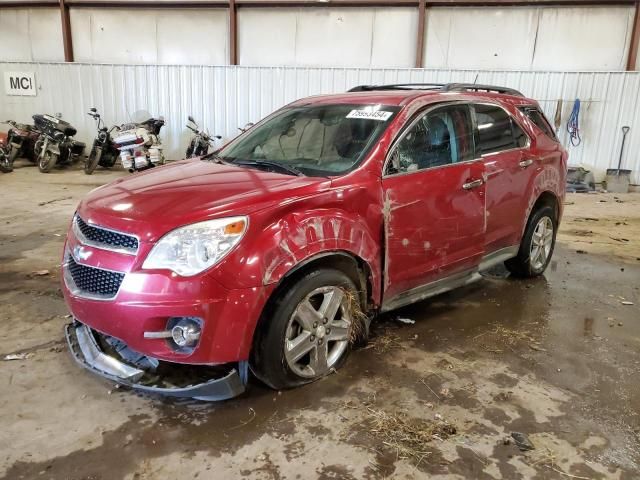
{"x":398,"y":86}
{"x":445,"y":87}
{"x":461,"y":87}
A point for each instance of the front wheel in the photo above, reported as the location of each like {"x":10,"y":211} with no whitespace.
{"x":6,"y":164}
{"x":308,"y":332}
{"x":47,"y":161}
{"x":92,"y":160}
{"x":537,"y":245}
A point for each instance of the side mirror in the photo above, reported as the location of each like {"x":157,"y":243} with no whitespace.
{"x":93,"y":109}
{"x":190,"y":118}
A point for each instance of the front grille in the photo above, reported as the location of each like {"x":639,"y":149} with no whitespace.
{"x":93,"y":281}
{"x":107,"y":239}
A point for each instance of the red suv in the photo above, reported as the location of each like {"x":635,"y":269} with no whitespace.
{"x":274,"y":252}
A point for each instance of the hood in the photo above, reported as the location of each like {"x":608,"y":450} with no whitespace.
{"x":154,"y":202}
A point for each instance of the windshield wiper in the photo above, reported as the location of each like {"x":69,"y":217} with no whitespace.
{"x":213,"y":157}
{"x":287,"y":168}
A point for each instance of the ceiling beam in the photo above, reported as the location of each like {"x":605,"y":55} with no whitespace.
{"x":301,"y":3}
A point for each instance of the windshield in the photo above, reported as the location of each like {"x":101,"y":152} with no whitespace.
{"x":316,"y":140}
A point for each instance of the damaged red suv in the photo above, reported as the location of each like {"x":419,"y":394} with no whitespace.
{"x":272,"y":254}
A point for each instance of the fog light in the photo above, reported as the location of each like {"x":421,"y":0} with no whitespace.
{"x":186,"y":332}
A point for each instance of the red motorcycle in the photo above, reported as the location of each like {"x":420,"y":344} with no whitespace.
{"x":5,"y":165}
{"x":21,"y":141}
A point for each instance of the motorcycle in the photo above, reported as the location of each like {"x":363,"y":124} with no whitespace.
{"x":139,"y":143}
{"x":6,"y":166}
{"x":55,"y":146}
{"x":200,"y":143}
{"x":21,"y":140}
{"x":104,"y":151}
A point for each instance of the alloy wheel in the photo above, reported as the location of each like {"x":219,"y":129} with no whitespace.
{"x":317,"y":334}
{"x":541,"y":243}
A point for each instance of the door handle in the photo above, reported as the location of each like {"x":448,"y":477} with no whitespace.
{"x":473,"y":184}
{"x":525,"y":163}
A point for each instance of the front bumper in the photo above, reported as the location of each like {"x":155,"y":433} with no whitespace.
{"x":88,"y":352}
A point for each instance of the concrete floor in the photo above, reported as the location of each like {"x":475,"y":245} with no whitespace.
{"x":556,"y":358}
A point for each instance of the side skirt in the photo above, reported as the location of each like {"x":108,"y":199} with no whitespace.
{"x":451,"y":282}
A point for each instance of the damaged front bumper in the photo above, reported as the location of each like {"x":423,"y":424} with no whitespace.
{"x":88,"y":349}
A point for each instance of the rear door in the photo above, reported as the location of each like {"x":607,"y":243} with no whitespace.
{"x":434,"y":202}
{"x":503,"y":145}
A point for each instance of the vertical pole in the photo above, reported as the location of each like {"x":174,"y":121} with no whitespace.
{"x":233,"y":33}
{"x":66,"y":32}
{"x":635,"y":40}
{"x":422,"y":13}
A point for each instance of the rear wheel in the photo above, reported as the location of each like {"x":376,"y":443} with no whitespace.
{"x":46,"y":161}
{"x":537,"y":245}
{"x":308,"y":332}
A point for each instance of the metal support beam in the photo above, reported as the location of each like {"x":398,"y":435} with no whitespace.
{"x":635,"y":40}
{"x":66,"y":32}
{"x":233,"y":33}
{"x":301,"y":3}
{"x":422,"y":13}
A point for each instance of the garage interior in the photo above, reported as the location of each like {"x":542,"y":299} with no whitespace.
{"x":441,"y":385}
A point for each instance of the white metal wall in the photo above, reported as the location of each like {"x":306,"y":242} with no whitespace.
{"x":224,"y":97}
{"x":529,"y":38}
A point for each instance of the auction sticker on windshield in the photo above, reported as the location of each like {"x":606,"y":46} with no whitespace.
{"x":380,"y":115}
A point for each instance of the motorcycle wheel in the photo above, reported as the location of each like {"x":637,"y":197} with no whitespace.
{"x":46,"y":161}
{"x":13,"y":153}
{"x":6,"y":165}
{"x":37,"y":148}
{"x":92,"y":160}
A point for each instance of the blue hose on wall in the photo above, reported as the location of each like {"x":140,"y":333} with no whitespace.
{"x":573,"y":125}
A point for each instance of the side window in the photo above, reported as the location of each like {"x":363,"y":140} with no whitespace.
{"x":538,"y":118}
{"x":441,"y":137}
{"x":519,"y":135}
{"x":496,"y":130}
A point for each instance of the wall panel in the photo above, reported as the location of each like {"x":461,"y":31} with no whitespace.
{"x":360,"y":36}
{"x":223,"y":98}
{"x":179,"y":36}
{"x":528,"y":38}
{"x":31,"y":34}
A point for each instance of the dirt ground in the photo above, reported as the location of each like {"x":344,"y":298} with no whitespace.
{"x":555,"y":358}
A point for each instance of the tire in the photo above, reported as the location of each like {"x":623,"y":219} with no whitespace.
{"x":533,"y":258}
{"x":46,"y":161}
{"x":92,"y":160}
{"x":13,"y":154}
{"x":6,"y":165}
{"x":295,"y":319}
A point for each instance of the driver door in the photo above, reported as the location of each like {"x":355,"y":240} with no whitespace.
{"x":434,"y":204}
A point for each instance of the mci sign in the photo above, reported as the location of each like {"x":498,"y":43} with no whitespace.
{"x":20,"y":83}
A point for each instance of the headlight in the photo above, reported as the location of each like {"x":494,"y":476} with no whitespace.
{"x":191,"y":249}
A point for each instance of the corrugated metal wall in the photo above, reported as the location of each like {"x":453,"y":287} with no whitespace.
{"x":225,"y":97}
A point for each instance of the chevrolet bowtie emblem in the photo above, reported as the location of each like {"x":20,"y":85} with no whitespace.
{"x":79,"y":253}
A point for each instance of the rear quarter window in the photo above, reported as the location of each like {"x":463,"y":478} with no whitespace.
{"x":539,"y":120}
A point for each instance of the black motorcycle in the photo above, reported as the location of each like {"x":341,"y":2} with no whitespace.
{"x":200,"y":143}
{"x":103,"y":152}
{"x":55,"y":146}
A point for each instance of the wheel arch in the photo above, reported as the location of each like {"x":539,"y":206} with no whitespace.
{"x":355,"y":267}
{"x":546,"y":198}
